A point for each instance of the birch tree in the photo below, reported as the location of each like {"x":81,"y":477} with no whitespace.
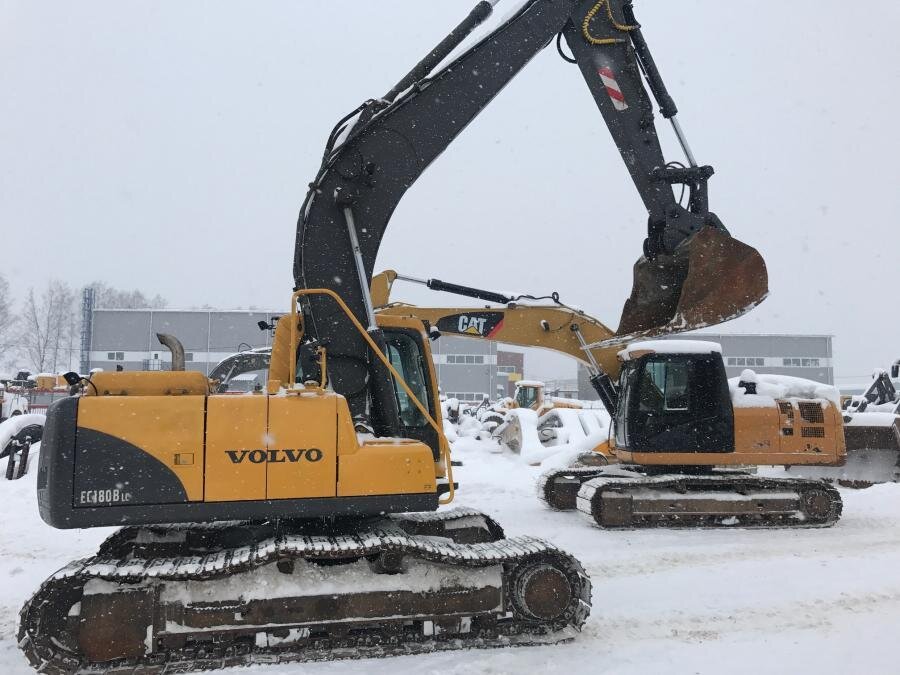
{"x":48,"y":327}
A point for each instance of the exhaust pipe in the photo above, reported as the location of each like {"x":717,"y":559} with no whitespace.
{"x":174,"y":345}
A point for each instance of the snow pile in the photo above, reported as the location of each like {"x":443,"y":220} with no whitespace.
{"x":771,"y":387}
{"x":871,"y":419}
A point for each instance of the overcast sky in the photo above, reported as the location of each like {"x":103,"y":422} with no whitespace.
{"x":166,"y":146}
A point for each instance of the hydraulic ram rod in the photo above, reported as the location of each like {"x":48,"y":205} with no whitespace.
{"x":476,"y":17}
{"x":467,"y":291}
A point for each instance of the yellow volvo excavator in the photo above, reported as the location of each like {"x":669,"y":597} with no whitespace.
{"x":676,"y":422}
{"x":299,"y":523}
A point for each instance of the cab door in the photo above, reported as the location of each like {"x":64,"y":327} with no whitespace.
{"x":680,"y":403}
{"x":407,"y":354}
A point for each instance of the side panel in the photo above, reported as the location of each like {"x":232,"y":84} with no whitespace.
{"x":301,"y":453}
{"x":235,"y":427}
{"x":757,"y":430}
{"x":386,"y":468}
{"x":139,"y":450}
{"x":382,"y":466}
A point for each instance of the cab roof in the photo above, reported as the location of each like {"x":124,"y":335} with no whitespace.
{"x":638,"y":349}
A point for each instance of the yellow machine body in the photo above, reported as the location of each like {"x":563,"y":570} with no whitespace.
{"x":793,"y":433}
{"x":159,"y":447}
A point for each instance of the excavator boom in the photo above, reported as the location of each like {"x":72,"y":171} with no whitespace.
{"x":692,"y":272}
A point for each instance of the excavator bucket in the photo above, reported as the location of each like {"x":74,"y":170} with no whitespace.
{"x":710,"y":279}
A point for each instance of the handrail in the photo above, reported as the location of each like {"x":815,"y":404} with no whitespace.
{"x":444,"y":447}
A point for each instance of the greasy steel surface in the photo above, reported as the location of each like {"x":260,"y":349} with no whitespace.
{"x":710,"y":279}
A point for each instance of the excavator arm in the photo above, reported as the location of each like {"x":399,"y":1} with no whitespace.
{"x":377,"y":152}
{"x":559,"y":328}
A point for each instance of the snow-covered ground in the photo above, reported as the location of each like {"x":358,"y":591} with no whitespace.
{"x":736,"y":601}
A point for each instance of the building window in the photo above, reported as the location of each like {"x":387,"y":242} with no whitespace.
{"x":465,"y":358}
{"x":467,"y":396}
{"x":189,"y":356}
{"x":115,"y":356}
{"x":506,"y":369}
{"x":746,"y":361}
{"x":801,"y":363}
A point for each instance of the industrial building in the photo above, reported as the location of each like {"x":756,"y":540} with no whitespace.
{"x":471,"y":370}
{"x":127,"y":337}
{"x":467,"y":369}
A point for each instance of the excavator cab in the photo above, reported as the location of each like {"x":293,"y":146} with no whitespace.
{"x":529,"y":394}
{"x":674,"y":403}
{"x":709,"y":279}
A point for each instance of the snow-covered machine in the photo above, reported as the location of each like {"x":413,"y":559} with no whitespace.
{"x":529,"y":406}
{"x":872,"y":433}
{"x":683,"y":437}
{"x":17,"y":435}
{"x":681,"y":443}
{"x":13,"y":402}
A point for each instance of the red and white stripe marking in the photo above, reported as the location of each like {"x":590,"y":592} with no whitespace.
{"x":612,"y":88}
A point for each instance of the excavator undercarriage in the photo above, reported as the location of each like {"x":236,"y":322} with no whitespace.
{"x":632,"y":497}
{"x":178,"y":599}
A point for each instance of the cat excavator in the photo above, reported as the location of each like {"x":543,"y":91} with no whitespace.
{"x":301,"y":522}
{"x":682,"y":434}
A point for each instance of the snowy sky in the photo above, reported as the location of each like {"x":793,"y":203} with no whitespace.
{"x":167,"y":146}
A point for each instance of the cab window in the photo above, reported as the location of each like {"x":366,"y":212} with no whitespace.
{"x":627,"y":383}
{"x":406,"y":357}
{"x":526,"y":396}
{"x":664,"y":387}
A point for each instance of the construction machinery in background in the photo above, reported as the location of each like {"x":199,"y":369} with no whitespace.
{"x":324,"y":469}
{"x":555,"y":326}
{"x":682,"y":437}
{"x":872,"y":432}
{"x":13,"y":402}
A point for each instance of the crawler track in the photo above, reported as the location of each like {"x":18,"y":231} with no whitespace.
{"x":559,"y":488}
{"x":708,"y":501}
{"x":529,"y":592}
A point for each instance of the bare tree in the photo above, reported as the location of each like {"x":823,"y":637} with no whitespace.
{"x":7,"y":318}
{"x":107,"y":297}
{"x":48,"y":327}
